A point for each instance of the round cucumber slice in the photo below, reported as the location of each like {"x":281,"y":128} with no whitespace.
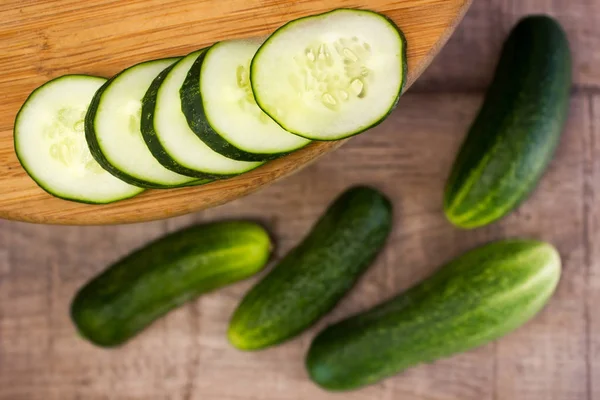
{"x":51,"y":146}
{"x":217,"y":100}
{"x":331,"y":75}
{"x":168,"y":136}
{"x":113,"y":129}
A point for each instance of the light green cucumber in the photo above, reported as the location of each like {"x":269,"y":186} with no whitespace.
{"x":145,"y":285}
{"x":478,"y":297}
{"x":49,"y":141}
{"x":217,"y":101}
{"x":113,"y":133}
{"x":331,"y":75}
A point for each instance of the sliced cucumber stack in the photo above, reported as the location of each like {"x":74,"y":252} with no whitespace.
{"x":331,"y":75}
{"x":112,"y":129}
{"x":50,"y":143}
{"x":217,"y":100}
{"x":168,"y":136}
{"x":215,"y":113}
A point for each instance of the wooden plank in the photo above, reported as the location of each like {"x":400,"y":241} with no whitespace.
{"x":592,"y":200}
{"x":186,"y":355}
{"x":46,"y":39}
{"x":546,"y":359}
{"x":484,"y":29}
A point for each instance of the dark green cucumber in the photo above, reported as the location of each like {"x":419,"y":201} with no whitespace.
{"x":316,"y":274}
{"x":148,"y":283}
{"x":474,"y":299}
{"x":516,"y":132}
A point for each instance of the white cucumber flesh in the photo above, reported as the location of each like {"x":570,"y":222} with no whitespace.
{"x":177,"y":139}
{"x":230,"y":112}
{"x":332,"y":75}
{"x":51,"y":145}
{"x":113,"y":129}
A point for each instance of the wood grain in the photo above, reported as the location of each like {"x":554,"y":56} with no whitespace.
{"x":44,"y":39}
{"x":480,"y":37}
{"x":186,"y":356}
{"x":592,"y":238}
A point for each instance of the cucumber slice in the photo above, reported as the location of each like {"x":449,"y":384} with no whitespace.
{"x":112,"y":129}
{"x":331,"y":75}
{"x":168,"y":136}
{"x":218,"y":103}
{"x":50,"y":143}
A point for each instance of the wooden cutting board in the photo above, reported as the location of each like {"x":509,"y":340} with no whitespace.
{"x":41,"y":40}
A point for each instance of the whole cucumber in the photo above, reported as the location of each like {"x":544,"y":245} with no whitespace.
{"x":153,"y":280}
{"x":315,"y":275}
{"x":474,"y":299}
{"x":515,"y":134}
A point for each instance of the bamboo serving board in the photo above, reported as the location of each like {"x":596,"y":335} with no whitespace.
{"x":43,"y":39}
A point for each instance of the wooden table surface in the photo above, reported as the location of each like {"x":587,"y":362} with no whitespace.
{"x":186,"y":356}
